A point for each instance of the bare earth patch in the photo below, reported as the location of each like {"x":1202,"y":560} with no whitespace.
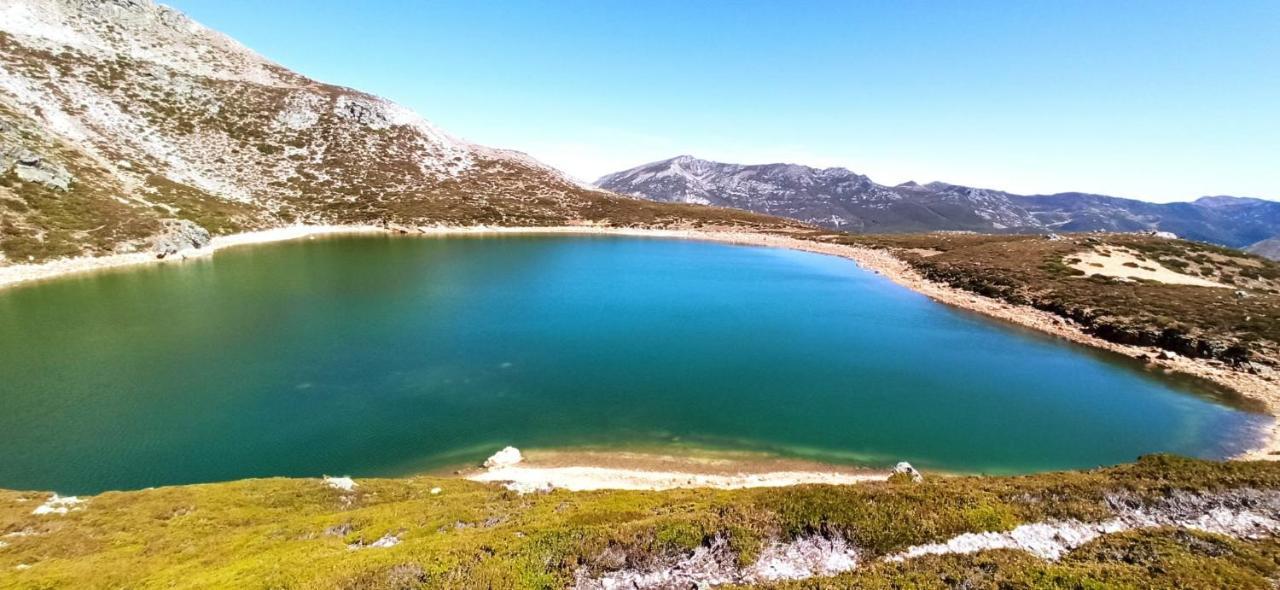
{"x":1121,"y":263}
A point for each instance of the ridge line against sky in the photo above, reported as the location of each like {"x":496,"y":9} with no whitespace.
{"x":1152,"y":100}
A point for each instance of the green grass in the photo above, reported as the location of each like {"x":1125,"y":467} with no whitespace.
{"x":294,"y":533}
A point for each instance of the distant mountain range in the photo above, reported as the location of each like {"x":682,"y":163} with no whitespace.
{"x":842,"y":199}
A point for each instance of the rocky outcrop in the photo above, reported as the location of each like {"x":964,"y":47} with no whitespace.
{"x":29,"y":166}
{"x":905,"y":470}
{"x":179,"y":235}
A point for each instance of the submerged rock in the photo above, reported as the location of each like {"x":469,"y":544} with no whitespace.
{"x":179,"y":235}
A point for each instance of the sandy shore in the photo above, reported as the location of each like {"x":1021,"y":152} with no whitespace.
{"x":580,"y":471}
{"x":1264,"y":387}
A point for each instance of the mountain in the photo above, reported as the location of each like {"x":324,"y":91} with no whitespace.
{"x":832,"y":197}
{"x":1231,"y":221}
{"x":1268,"y":248}
{"x":121,"y":120}
{"x":841,"y":199}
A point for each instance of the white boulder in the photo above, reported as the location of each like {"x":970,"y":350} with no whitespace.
{"x":504,"y":458}
{"x":906,"y":468}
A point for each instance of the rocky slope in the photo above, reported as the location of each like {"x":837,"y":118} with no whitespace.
{"x":119,"y":116}
{"x":841,"y":199}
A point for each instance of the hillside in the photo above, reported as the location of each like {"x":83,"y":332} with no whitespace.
{"x":1269,"y":248}
{"x":122,"y":122}
{"x":1163,"y":522}
{"x":1189,"y":298}
{"x":840,"y":199}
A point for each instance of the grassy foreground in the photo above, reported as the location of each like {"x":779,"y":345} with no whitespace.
{"x":301,"y":533}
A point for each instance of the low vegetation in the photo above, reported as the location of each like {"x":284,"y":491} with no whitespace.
{"x":1235,"y":324}
{"x":451,"y":533}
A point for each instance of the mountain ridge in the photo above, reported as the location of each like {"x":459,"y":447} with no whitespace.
{"x":839,"y":198}
{"x":119,"y":117}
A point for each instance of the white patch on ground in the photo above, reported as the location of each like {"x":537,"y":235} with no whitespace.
{"x":715,"y":564}
{"x":803,"y":558}
{"x":301,"y":110}
{"x":1052,"y":540}
{"x":436,"y":491}
{"x":1094,"y":263}
{"x":1044,"y":540}
{"x":1248,"y":514}
{"x":59,"y":505}
{"x":345,"y":484}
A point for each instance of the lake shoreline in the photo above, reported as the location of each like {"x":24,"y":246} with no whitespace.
{"x":579,"y":470}
{"x":1249,"y":386}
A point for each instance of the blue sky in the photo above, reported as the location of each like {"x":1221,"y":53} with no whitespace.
{"x":1161,"y":100}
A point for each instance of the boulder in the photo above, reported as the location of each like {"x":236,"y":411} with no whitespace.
{"x":904,"y":468}
{"x":32,"y":167}
{"x":179,"y":235}
{"x":504,"y":458}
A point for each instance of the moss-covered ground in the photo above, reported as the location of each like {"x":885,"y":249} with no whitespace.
{"x":301,"y":533}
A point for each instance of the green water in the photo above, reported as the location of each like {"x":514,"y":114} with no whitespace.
{"x":381,"y":356}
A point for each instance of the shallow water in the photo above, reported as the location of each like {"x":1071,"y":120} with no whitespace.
{"x":382,"y":356}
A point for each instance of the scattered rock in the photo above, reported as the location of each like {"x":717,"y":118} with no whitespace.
{"x":339,"y":530}
{"x":58,"y":505}
{"x":504,"y":458}
{"x":436,"y":491}
{"x":803,"y":558}
{"x":1053,"y":237}
{"x":387,"y":540}
{"x":904,"y":468}
{"x":179,"y":235}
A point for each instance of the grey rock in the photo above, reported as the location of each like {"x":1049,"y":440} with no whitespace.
{"x":906,"y":469}
{"x":35,"y":168}
{"x":179,"y":235}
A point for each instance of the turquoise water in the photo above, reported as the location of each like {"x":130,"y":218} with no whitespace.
{"x":380,"y":356}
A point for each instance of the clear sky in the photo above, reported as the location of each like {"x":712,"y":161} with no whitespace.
{"x":1160,"y":100}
